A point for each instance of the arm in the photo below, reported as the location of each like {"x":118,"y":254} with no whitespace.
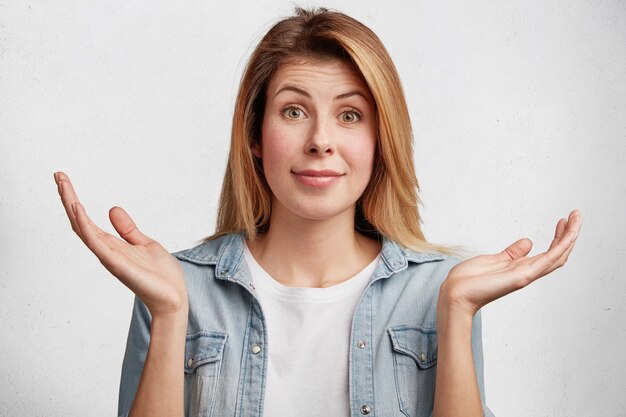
{"x":156,"y":277}
{"x":160,"y":390}
{"x":137,"y":346}
{"x":152,"y":380}
{"x":457,"y":389}
{"x":469,"y":286}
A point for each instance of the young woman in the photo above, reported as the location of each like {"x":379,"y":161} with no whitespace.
{"x":318,"y":294}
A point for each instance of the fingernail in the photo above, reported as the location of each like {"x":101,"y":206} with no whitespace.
{"x":575,"y":236}
{"x":74,"y":208}
{"x":56,"y":179}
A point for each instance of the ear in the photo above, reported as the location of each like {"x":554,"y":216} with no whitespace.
{"x":256,"y":149}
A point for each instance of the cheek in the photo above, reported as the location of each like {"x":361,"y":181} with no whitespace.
{"x":276,"y":145}
{"x":362,"y":156}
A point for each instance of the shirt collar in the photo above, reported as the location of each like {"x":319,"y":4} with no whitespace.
{"x":226,"y":253}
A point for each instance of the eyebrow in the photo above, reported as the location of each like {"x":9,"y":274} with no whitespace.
{"x":304,"y":93}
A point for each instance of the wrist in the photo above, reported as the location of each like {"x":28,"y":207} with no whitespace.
{"x":172,"y":320}
{"x":454,"y":322}
{"x":454,"y":302}
{"x":453,"y":318}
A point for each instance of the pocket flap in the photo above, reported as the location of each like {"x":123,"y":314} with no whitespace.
{"x":203,"y":347}
{"x":417,"y":342}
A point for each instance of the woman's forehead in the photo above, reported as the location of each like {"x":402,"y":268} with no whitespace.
{"x":312,"y":73}
{"x":307,"y":71}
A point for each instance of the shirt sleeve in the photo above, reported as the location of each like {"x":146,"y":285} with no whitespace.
{"x":477,"y":350}
{"x":135,"y":356}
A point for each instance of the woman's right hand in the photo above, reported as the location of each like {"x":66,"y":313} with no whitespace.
{"x":140,"y":263}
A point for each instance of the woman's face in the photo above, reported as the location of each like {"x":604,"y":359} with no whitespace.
{"x":318,"y":139}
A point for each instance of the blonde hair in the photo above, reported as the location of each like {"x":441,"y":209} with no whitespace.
{"x":389,"y":204}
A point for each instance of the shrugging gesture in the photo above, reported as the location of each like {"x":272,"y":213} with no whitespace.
{"x":156,"y":277}
{"x":485,"y":278}
{"x":139,"y":262}
{"x":469,"y":286}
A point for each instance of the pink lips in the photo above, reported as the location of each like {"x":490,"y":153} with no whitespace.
{"x":317,"y":178}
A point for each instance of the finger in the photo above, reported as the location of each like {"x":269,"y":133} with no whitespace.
{"x":574,"y":215}
{"x":126,"y":227}
{"x":562,"y":260}
{"x":543,"y":261}
{"x":558,"y":234}
{"x":92,"y":236}
{"x":110,"y":250}
{"x":68,"y":197}
{"x":519,"y":249}
{"x":560,"y":228}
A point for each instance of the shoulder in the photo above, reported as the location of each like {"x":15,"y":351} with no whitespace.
{"x":211,"y":259}
{"x":208,"y":252}
{"x":412,"y":288}
{"x":432,"y":266}
{"x":432,"y":259}
{"x":210,"y":269}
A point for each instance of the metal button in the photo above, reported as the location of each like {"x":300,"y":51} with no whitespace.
{"x":361,"y":344}
{"x":422,"y":357}
{"x":256,"y":349}
{"x":365,"y":409}
{"x":189,"y":362}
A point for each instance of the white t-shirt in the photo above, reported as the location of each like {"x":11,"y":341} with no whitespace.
{"x":308,"y":333}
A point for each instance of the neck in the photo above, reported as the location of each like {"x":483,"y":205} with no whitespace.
{"x":313,"y":253}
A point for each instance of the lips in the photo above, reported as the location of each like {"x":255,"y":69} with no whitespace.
{"x":317,"y":178}
{"x":316,"y":173}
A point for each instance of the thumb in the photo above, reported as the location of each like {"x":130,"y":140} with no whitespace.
{"x":519,"y":249}
{"x":126,"y":228}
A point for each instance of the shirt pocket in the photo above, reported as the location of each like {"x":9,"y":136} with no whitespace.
{"x":414,"y":361}
{"x":203,"y":362}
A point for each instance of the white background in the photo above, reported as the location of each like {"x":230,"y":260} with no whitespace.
{"x":519,"y":111}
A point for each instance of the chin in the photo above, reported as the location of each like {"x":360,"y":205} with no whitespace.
{"x":320,"y":212}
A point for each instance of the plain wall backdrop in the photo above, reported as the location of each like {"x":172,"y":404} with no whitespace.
{"x":519,"y":114}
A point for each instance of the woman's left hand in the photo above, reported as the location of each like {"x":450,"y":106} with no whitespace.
{"x":480,"y":280}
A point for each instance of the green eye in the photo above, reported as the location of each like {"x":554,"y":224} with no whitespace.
{"x":292,"y":112}
{"x":350,"y":116}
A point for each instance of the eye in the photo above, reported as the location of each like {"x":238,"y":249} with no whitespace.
{"x":351,"y":116}
{"x":292,"y":112}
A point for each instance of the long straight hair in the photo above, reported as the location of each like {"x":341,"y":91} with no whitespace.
{"x":389,"y":206}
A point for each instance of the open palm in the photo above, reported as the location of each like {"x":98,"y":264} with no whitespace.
{"x":485,"y":278}
{"x":140,"y":263}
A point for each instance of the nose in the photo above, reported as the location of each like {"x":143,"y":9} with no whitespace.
{"x":320,"y":141}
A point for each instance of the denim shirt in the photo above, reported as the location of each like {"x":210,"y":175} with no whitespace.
{"x":393,"y":341}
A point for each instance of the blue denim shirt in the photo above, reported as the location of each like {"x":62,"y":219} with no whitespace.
{"x":393,"y":341}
